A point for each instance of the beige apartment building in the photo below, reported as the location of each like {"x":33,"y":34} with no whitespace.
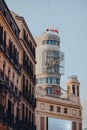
{"x":17,"y":72}
{"x":56,"y":108}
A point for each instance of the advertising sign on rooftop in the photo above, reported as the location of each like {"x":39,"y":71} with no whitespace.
{"x":52,"y":30}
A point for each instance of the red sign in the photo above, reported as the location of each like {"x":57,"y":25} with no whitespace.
{"x":57,"y":91}
{"x":52,"y":30}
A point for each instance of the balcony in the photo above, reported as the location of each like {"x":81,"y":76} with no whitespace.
{"x":26,"y":66}
{"x":19,"y":68}
{"x":34,"y":79}
{"x":6,"y":80}
{"x":28,"y":69}
{"x":14,"y":90}
{"x":29,"y":97}
{"x":2,"y":46}
{"x":34,"y":103}
{"x":7,"y":84}
{"x":32,"y":125}
{"x":29,"y":44}
{"x":9,"y":117}
{"x":18,"y":123}
{"x":6,"y":50}
{"x":1,"y":75}
{"x":1,"y":111}
{"x":27,"y":125}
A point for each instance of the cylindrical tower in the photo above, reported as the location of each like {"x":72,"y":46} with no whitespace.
{"x":73,"y":87}
{"x":49,"y":59}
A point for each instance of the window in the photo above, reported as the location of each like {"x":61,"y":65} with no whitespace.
{"x":56,"y":43}
{"x":32,"y":117}
{"x":80,"y":126}
{"x":73,"y":125}
{"x":65,"y":110}
{"x":41,"y":80}
{"x":5,"y":12}
{"x":1,"y":34}
{"x":15,"y":31}
{"x":54,"y":80}
{"x":78,"y":91}
{"x":41,"y":123}
{"x":11,"y":22}
{"x":8,"y":74}
{"x":51,"y":107}
{"x":14,"y":53}
{"x":17,"y":81}
{"x":5,"y":40}
{"x":24,"y":34}
{"x":80,"y":113}
{"x":9,"y":106}
{"x":26,"y":82}
{"x":16,"y":90}
{"x":17,"y":57}
{"x":23,"y":112}
{"x":51,"y":42}
{"x":30,"y":88}
{"x":48,"y":80}
{"x":4,"y":64}
{"x":18,"y":113}
{"x":38,"y":81}
{"x":73,"y":89}
{"x":58,"y":81}
{"x":26,"y":114}
{"x":10,"y":48}
{"x":29,"y":115}
{"x":12,"y":108}
{"x":23,"y":83}
{"x":49,"y":90}
{"x":13,"y":77}
{"x":58,"y":109}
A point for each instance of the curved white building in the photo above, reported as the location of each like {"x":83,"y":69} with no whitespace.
{"x":49,"y":60}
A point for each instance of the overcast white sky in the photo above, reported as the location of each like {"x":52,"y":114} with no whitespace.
{"x":70,"y":17}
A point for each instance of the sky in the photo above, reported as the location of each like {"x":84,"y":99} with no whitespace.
{"x":59,"y":124}
{"x":70,"y":17}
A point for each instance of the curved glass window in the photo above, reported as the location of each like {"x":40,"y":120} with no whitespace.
{"x":49,"y":80}
{"x":51,"y":42}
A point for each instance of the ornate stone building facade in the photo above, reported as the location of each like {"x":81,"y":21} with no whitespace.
{"x":17,"y":72}
{"x":56,"y":108}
